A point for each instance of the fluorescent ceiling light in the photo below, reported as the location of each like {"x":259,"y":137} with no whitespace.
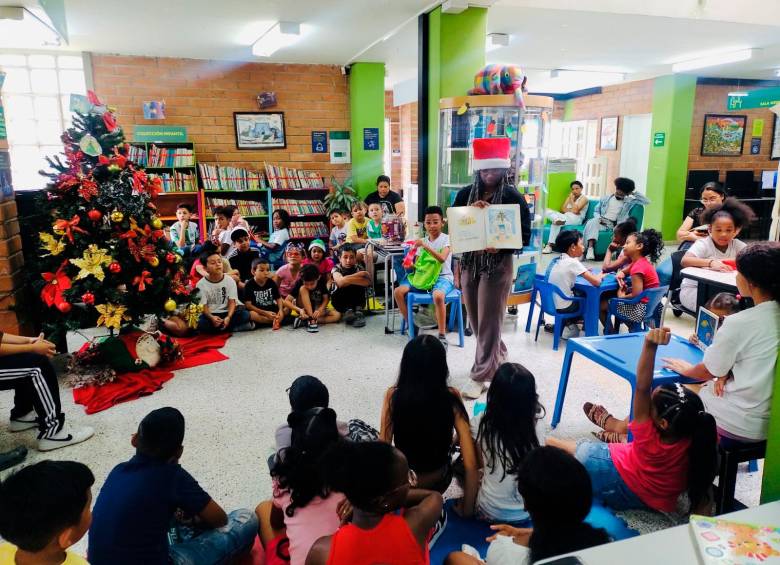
{"x":25,"y":28}
{"x":279,"y":36}
{"x":598,"y":76}
{"x":496,"y":41}
{"x":738,"y":94}
{"x":712,"y":60}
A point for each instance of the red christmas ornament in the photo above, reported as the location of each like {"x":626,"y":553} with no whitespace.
{"x":95,"y":215}
{"x":115,"y":267}
{"x":64,"y":307}
{"x":88,"y":298}
{"x":109,"y":121}
{"x":170,"y":257}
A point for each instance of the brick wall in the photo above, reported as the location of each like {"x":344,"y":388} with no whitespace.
{"x":618,"y":100}
{"x":711,"y":99}
{"x":202,"y":95}
{"x":403,"y":120}
{"x":393,"y":114}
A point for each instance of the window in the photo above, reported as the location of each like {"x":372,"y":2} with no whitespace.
{"x":36,"y":101}
{"x":574,"y":140}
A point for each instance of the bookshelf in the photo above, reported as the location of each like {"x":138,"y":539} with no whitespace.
{"x":301,"y":193}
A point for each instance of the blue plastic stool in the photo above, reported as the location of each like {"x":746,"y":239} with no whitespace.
{"x":453,"y":298}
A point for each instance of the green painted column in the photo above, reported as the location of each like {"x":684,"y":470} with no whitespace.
{"x":366,"y":110}
{"x":456,"y":53}
{"x":667,"y":171}
{"x":770,"y":490}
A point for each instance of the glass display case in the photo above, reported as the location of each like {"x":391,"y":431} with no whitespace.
{"x":463,"y":119}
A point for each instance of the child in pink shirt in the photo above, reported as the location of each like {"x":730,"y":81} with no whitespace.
{"x":286,"y":275}
{"x":674,"y":448}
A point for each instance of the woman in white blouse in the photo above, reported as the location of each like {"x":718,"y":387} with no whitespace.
{"x":572,"y":212}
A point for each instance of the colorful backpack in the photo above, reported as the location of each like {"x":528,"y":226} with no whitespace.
{"x":426,"y":271}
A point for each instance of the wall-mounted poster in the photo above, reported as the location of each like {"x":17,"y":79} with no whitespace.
{"x":609,"y":133}
{"x":723,"y":134}
{"x":260,"y":130}
{"x":775,"y":154}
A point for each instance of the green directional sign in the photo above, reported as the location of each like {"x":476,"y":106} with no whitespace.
{"x":659,"y":139}
{"x":160,"y":134}
{"x":761,"y":98}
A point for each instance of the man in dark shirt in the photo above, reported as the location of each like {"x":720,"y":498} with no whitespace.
{"x":140,"y":497}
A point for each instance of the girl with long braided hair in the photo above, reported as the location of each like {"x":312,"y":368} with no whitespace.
{"x":487,"y":275}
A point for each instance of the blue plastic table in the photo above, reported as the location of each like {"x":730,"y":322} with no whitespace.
{"x":620,"y":354}
{"x":593,"y":300}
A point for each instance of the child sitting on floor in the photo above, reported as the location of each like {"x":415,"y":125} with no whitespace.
{"x":377,"y":481}
{"x":198,"y":270}
{"x":287,"y":275}
{"x":184,"y":232}
{"x":318,"y":258}
{"x":261,"y":296}
{"x":242,"y":259}
{"x":309,"y":299}
{"x":338,"y":233}
{"x":674,"y":447}
{"x":557,"y":493}
{"x":357,"y":235}
{"x":349,"y":293}
{"x":141,"y":497}
{"x":638,"y":247}
{"x":274,"y":247}
{"x":564,"y":274}
{"x":303,"y":508}
{"x":219,"y":295}
{"x":504,"y":433}
{"x":619,"y":236}
{"x":432,"y":271}
{"x":45,"y":509}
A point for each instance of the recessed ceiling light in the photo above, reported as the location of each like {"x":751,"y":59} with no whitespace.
{"x":738,"y":94}
{"x":712,"y":60}
{"x":496,"y":41}
{"x":279,"y":36}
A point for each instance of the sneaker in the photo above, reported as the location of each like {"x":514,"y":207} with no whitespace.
{"x":473,"y":390}
{"x":22,"y":423}
{"x":13,"y":457}
{"x":297,"y":323}
{"x":547,"y":249}
{"x":438,"y":527}
{"x":65,"y":437}
{"x":349,"y":317}
{"x":443,"y":340}
{"x":570,"y":331}
{"x":312,"y":327}
{"x":360,"y":320}
{"x":590,"y":255}
{"x":245,"y":327}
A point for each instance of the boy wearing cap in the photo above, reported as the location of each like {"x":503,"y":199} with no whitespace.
{"x":241,"y":260}
{"x":140,"y":497}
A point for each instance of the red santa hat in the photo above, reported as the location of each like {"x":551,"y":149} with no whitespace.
{"x":491,"y":153}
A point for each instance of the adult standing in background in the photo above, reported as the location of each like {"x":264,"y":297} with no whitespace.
{"x":487,"y":275}
{"x":390,"y":201}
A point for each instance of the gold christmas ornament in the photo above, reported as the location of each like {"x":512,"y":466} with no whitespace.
{"x":192,"y":313}
{"x":157,"y":223}
{"x":153,"y":261}
{"x":51,"y":244}
{"x":170,"y":305}
{"x":117,"y":216}
{"x":92,"y":262}
{"x":111,"y":315}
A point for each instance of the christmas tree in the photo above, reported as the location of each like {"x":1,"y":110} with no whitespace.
{"x":104,"y":259}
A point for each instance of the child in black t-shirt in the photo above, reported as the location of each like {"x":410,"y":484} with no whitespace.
{"x":349,"y":294}
{"x":261,"y":295}
{"x":241,"y":260}
{"x":309,"y":299}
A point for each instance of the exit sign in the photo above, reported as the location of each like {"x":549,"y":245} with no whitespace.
{"x":659,"y":139}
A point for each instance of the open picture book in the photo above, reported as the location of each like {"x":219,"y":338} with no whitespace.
{"x":723,"y":542}
{"x":475,"y":229}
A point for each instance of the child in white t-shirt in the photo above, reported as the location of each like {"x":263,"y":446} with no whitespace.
{"x":564,"y":274}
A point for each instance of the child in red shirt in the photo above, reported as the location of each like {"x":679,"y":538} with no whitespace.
{"x":674,"y":448}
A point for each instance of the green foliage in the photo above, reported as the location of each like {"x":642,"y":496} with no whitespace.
{"x":341,"y":197}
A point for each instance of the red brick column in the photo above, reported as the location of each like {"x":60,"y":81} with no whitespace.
{"x":11,"y":262}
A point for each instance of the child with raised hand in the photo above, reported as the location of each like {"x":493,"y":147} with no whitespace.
{"x":504,"y":434}
{"x":436,"y":245}
{"x":673,"y":451}
{"x":564,"y":274}
{"x":142,"y":496}
{"x":338,"y":233}
{"x":377,"y":481}
{"x":303,"y":504}
{"x":743,"y":353}
{"x":184,"y":232}
{"x":619,"y":236}
{"x":725,"y":222}
{"x":638,"y":247}
{"x":286,"y":276}
{"x":261,"y":296}
{"x":558,"y":496}
{"x":318,"y":258}
{"x":309,"y":299}
{"x":349,"y":294}
{"x":274,"y":247}
{"x":219,"y":295}
{"x":45,"y":509}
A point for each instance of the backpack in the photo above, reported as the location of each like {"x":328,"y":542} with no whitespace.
{"x":426,"y":271}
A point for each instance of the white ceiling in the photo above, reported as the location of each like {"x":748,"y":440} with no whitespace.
{"x":640,"y":39}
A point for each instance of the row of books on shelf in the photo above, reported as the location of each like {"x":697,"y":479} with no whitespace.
{"x":299,"y":207}
{"x":178,"y":182}
{"x":217,"y":177}
{"x":308,"y":229}
{"x":285,"y":177}
{"x":161,"y":156}
{"x":245,"y":207}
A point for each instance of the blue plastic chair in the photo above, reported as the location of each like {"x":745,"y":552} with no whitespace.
{"x":456,"y":312}
{"x":546,"y":291}
{"x":652,"y":314}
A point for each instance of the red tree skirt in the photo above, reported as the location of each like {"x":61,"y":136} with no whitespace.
{"x":198,"y":350}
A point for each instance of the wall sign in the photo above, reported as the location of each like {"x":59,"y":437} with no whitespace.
{"x":659,"y":139}
{"x":755,"y":145}
{"x":371,"y":139}
{"x":760,"y":98}
{"x":319,"y":142}
{"x":160,"y":134}
{"x":758,"y":127}
{"x":339,"y":147}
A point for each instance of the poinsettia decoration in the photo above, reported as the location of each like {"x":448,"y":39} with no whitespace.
{"x":56,"y":284}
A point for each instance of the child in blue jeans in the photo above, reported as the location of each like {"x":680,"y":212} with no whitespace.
{"x":437,"y":245}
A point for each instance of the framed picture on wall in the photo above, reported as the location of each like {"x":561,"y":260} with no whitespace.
{"x":609,"y":133}
{"x":259,"y":130}
{"x":723,"y":135}
{"x":775,"y":153}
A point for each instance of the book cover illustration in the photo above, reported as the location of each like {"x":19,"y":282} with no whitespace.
{"x":706,"y":326}
{"x":525,"y":278}
{"x":475,"y":229}
{"x":722,"y":542}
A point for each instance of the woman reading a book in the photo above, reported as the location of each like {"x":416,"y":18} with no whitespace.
{"x":487,"y":275}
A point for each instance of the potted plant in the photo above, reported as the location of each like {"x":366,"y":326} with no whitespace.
{"x":341,"y":196}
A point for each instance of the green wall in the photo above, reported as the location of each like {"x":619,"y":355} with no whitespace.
{"x":667,"y":170}
{"x":456,"y":53}
{"x":366,"y":110}
{"x":770,"y":490}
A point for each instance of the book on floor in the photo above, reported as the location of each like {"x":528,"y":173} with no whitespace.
{"x":723,"y":542}
{"x":474,"y":229}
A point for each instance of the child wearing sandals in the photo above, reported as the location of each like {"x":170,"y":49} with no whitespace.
{"x":674,"y":447}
